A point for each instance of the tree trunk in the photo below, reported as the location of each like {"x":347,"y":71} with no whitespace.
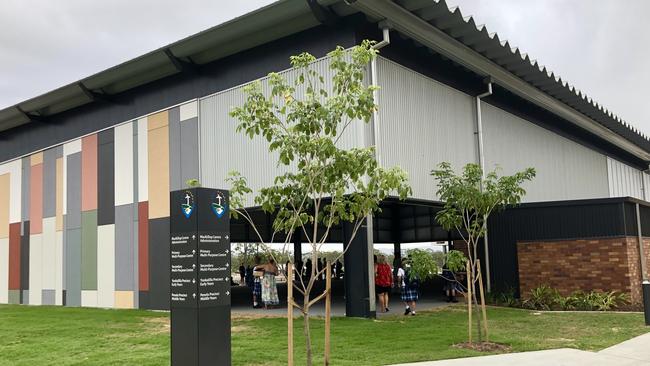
{"x":477,"y":311}
{"x":307,"y":331}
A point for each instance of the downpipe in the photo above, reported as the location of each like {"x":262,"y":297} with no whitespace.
{"x":481,"y":160}
{"x":375,"y":94}
{"x":645,"y":286}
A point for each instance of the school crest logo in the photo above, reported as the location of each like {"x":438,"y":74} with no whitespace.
{"x":188,"y":205}
{"x":219,"y":205}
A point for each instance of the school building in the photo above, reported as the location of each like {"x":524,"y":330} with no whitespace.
{"x":86,"y":169}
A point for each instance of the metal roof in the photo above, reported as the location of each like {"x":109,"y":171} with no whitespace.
{"x":286,"y":17}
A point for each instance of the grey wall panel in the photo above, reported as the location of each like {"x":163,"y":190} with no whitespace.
{"x":136,"y":297}
{"x":73,"y":267}
{"x":624,"y":180}
{"x":124,"y":248}
{"x":48,"y":297}
{"x":175,"y":149}
{"x":73,"y":191}
{"x":565,"y":169}
{"x":189,"y":162}
{"x":25,"y":188}
{"x":223,"y":149}
{"x":106,"y":177}
{"x":49,"y":181}
{"x":422,"y":123}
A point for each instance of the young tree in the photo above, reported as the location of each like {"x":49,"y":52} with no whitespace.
{"x":469,"y":199}
{"x":325,"y":184}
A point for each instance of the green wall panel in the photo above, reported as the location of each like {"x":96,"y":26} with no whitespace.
{"x":89,"y":250}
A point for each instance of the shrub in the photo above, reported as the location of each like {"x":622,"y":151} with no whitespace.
{"x":542,"y":297}
{"x":545,"y":297}
{"x":595,"y":301}
{"x":504,"y":298}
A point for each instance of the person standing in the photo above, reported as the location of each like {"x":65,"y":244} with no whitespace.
{"x":451,"y":285}
{"x":410,"y":285}
{"x":339,"y":269}
{"x":242,"y":275}
{"x":257,"y":283}
{"x":269,"y":286}
{"x":383,"y":282}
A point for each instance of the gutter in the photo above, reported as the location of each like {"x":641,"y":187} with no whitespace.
{"x":417,"y":29}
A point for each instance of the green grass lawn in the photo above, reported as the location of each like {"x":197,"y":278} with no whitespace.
{"x":74,"y":336}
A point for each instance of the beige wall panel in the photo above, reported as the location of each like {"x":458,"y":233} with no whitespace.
{"x":36,"y":159}
{"x":69,"y":148}
{"x":188,"y":110}
{"x":158,"y":120}
{"x":58,"y":295}
{"x":143,"y":161}
{"x":14,"y":169}
{"x":5,"y":194}
{"x":35,"y":269}
{"x":106,"y":266}
{"x":158,"y":171}
{"x":88,"y":298}
{"x":124,"y":299}
{"x":49,"y":254}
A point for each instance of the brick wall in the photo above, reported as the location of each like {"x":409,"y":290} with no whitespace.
{"x":593,"y":264}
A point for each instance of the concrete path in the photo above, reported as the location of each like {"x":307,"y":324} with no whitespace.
{"x":634,"y":352}
{"x":338,"y":309}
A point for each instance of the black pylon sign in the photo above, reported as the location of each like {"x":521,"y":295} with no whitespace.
{"x":200,"y":277}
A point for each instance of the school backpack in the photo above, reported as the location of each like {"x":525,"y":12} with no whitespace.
{"x":411,"y":280}
{"x":384,"y":275}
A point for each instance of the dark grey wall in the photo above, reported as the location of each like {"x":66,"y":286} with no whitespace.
{"x":582,"y":219}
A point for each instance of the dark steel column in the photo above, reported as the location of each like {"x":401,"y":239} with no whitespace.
{"x":357,"y":272}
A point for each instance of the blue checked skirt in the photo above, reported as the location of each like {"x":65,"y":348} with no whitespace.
{"x":257,"y":288}
{"x":409,"y":294}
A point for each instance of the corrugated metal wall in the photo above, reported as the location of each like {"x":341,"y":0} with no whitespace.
{"x":565,"y":170}
{"x":624,"y":180}
{"x":422,"y":123}
{"x":223,"y":149}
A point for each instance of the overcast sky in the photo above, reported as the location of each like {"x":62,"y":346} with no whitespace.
{"x":600,"y":46}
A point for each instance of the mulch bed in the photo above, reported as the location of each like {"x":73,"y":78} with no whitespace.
{"x":484,"y":346}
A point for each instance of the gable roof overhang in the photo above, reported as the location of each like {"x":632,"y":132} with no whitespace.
{"x":427,"y":22}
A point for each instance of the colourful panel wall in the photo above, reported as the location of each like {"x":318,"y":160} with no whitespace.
{"x":86,"y":223}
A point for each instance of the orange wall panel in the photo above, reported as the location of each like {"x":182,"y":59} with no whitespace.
{"x":14,"y":256}
{"x":89,"y":173}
